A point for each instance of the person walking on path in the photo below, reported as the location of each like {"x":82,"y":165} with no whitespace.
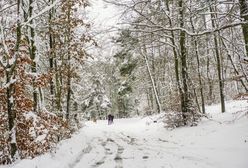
{"x":110,"y":119}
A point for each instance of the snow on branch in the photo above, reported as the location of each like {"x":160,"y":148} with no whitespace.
{"x":41,"y":12}
{"x":162,"y":28}
{"x":8,"y":7}
{"x":3,"y":41}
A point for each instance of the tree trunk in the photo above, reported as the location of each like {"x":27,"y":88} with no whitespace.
{"x":11,"y":117}
{"x":233,"y":65}
{"x":52,"y":54}
{"x":244,"y":15}
{"x":68,"y":97}
{"x":153,"y":73}
{"x":198,"y":69}
{"x":219,"y":68}
{"x":10,"y":92}
{"x":176,"y":59}
{"x":150,"y":92}
{"x":58,"y":89}
{"x":210,"y":96}
{"x":152,"y":80}
{"x":148,"y":99}
{"x":185,"y":104}
{"x":196,"y":100}
{"x":200,"y":80}
{"x":32,"y":51}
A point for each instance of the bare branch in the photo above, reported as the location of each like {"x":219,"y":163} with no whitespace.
{"x":7,"y":7}
{"x":41,"y":12}
{"x":162,"y":28}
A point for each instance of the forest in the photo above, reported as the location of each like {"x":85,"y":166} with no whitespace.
{"x":163,"y":56}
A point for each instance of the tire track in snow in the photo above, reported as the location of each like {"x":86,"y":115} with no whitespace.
{"x":108,"y":153}
{"x":176,"y":152}
{"x":80,"y":156}
{"x":118,"y":158}
{"x":128,"y":139}
{"x":113,"y":145}
{"x":158,"y":149}
{"x":102,"y":160}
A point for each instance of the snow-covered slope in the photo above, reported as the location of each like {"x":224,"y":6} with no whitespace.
{"x":219,"y":142}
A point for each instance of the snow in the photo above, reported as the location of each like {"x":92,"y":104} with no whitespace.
{"x":10,"y":82}
{"x":12,"y":61}
{"x":11,"y":99}
{"x":105,"y":102}
{"x":218,"y":142}
{"x":32,"y":132}
{"x":30,"y":115}
{"x":41,"y":138}
{"x":47,"y":8}
{"x":13,"y":135}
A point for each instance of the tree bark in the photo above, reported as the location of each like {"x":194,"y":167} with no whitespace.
{"x":152,"y":80}
{"x":200,"y":80}
{"x":11,"y":117}
{"x":185,"y":104}
{"x":68,"y":97}
{"x":233,"y":65}
{"x":176,"y":58}
{"x":32,"y":51}
{"x":58,"y":89}
{"x":219,"y":67}
{"x":198,"y":70}
{"x":244,"y":15}
{"x":10,"y":91}
{"x":210,"y":97}
{"x":52,"y":53}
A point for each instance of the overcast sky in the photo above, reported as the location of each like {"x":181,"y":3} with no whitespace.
{"x":103,"y":14}
{"x":104,"y":18}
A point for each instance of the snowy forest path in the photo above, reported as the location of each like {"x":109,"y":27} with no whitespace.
{"x":128,"y":145}
{"x":142,"y":143}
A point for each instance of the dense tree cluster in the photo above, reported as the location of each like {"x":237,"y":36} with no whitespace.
{"x":42,"y":49}
{"x":193,"y":53}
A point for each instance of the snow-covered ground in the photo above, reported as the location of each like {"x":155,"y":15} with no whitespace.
{"x":219,"y":142}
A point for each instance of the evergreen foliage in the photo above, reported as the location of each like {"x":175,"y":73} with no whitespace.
{"x":126,"y":63}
